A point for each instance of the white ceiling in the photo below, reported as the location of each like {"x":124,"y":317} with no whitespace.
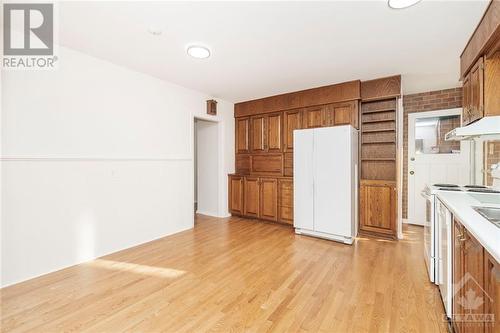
{"x":266,"y":48}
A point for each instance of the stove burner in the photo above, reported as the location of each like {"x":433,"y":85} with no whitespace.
{"x":450,"y":189}
{"x":483,"y":190}
{"x":475,"y":186}
{"x":445,"y":185}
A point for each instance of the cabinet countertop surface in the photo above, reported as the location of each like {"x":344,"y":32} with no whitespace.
{"x":460,"y":204}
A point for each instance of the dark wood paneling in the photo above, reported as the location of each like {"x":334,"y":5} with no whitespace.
{"x":242,"y":164}
{"x":267,"y":164}
{"x":381,"y":88}
{"x":341,"y":92}
{"x":484,"y":36}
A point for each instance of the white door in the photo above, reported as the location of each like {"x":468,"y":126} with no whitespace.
{"x":303,"y":179}
{"x":332,"y":180}
{"x":433,"y":160}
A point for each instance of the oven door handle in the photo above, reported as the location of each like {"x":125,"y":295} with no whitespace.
{"x":426,"y":196}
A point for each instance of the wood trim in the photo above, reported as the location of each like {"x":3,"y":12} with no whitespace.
{"x":341,"y":92}
{"x":484,"y":36}
{"x":382,"y":88}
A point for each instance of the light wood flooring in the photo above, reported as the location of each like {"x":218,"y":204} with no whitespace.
{"x":235,"y":275}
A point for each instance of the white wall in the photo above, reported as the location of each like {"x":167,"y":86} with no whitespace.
{"x":207,"y":165}
{"x":96,"y":158}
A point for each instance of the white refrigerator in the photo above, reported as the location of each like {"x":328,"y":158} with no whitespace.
{"x":325,"y":172}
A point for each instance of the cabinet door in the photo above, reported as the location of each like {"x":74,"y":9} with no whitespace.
{"x":269,"y":199}
{"x":292,"y":121}
{"x":473,"y":289}
{"x":258,"y":131}
{"x":285,"y":200}
{"x":274,"y":133}
{"x":251,"y":197}
{"x":346,"y":113}
{"x":466,"y":108}
{"x":476,"y":91}
{"x":492,"y":288}
{"x":378,"y":207}
{"x":313,"y":117}
{"x":236,"y":195}
{"x":457,"y":276}
{"x":242,"y":135}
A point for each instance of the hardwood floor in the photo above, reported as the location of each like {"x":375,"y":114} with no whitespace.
{"x":235,"y":275}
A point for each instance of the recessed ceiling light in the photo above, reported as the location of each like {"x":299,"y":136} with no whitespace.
{"x":400,"y":4}
{"x":197,"y":51}
{"x":154,"y":30}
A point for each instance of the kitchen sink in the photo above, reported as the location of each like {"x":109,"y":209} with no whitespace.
{"x":492,"y":214}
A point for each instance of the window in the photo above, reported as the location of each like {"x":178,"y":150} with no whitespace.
{"x":430,"y":134}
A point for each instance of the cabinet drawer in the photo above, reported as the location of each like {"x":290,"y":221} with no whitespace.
{"x":288,"y":167}
{"x":269,"y":164}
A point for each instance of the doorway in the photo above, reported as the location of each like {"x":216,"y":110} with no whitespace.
{"x":432,"y":159}
{"x":206,"y":167}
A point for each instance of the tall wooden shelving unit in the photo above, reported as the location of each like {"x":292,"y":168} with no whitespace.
{"x":378,"y":194}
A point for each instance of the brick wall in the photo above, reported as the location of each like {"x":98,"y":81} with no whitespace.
{"x":491,"y":156}
{"x":428,"y":101}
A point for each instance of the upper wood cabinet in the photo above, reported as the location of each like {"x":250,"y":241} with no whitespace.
{"x":346,"y":113}
{"x":274,"y":132}
{"x":313,"y":116}
{"x":378,"y":207}
{"x":292,"y":121}
{"x":242,"y":135}
{"x":236,"y":194}
{"x":473,"y":93}
{"x":269,"y":199}
{"x":251,"y":196}
{"x":258,"y":133}
{"x":266,"y":133}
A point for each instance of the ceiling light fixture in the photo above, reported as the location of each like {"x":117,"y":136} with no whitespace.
{"x":400,"y":4}
{"x":199,"y":52}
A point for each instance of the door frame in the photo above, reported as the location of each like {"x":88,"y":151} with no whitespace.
{"x":221,"y":201}
{"x":411,"y":119}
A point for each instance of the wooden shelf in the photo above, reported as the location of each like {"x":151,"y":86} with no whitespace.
{"x":378,"y":130}
{"x":376,"y":121}
{"x":377,"y":111}
{"x":379,"y":159}
{"x":377,"y":142}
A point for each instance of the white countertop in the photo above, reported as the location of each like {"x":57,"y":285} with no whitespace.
{"x":460,"y":204}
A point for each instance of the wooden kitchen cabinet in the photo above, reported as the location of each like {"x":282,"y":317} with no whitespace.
{"x":285,"y":200}
{"x":473,"y":91}
{"x":476,"y":285}
{"x":268,"y":199}
{"x":274,"y":133}
{"x":492,"y":289}
{"x":236,"y":195}
{"x":292,"y":121}
{"x":242,"y":135}
{"x":378,"y":207}
{"x":313,"y":116}
{"x":251,"y":196}
{"x":258,"y":134}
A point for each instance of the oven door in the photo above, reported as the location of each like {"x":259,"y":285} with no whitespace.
{"x":429,"y":235}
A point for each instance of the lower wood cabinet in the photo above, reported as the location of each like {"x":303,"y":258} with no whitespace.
{"x":476,"y":285}
{"x":378,"y":207}
{"x":266,"y":198}
{"x":269,"y":199}
{"x":251,"y":197}
{"x":236,"y":194}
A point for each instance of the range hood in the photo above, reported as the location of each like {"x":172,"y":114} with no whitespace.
{"x":485,"y":126}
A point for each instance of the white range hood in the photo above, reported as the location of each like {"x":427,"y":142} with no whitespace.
{"x":485,"y":126}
